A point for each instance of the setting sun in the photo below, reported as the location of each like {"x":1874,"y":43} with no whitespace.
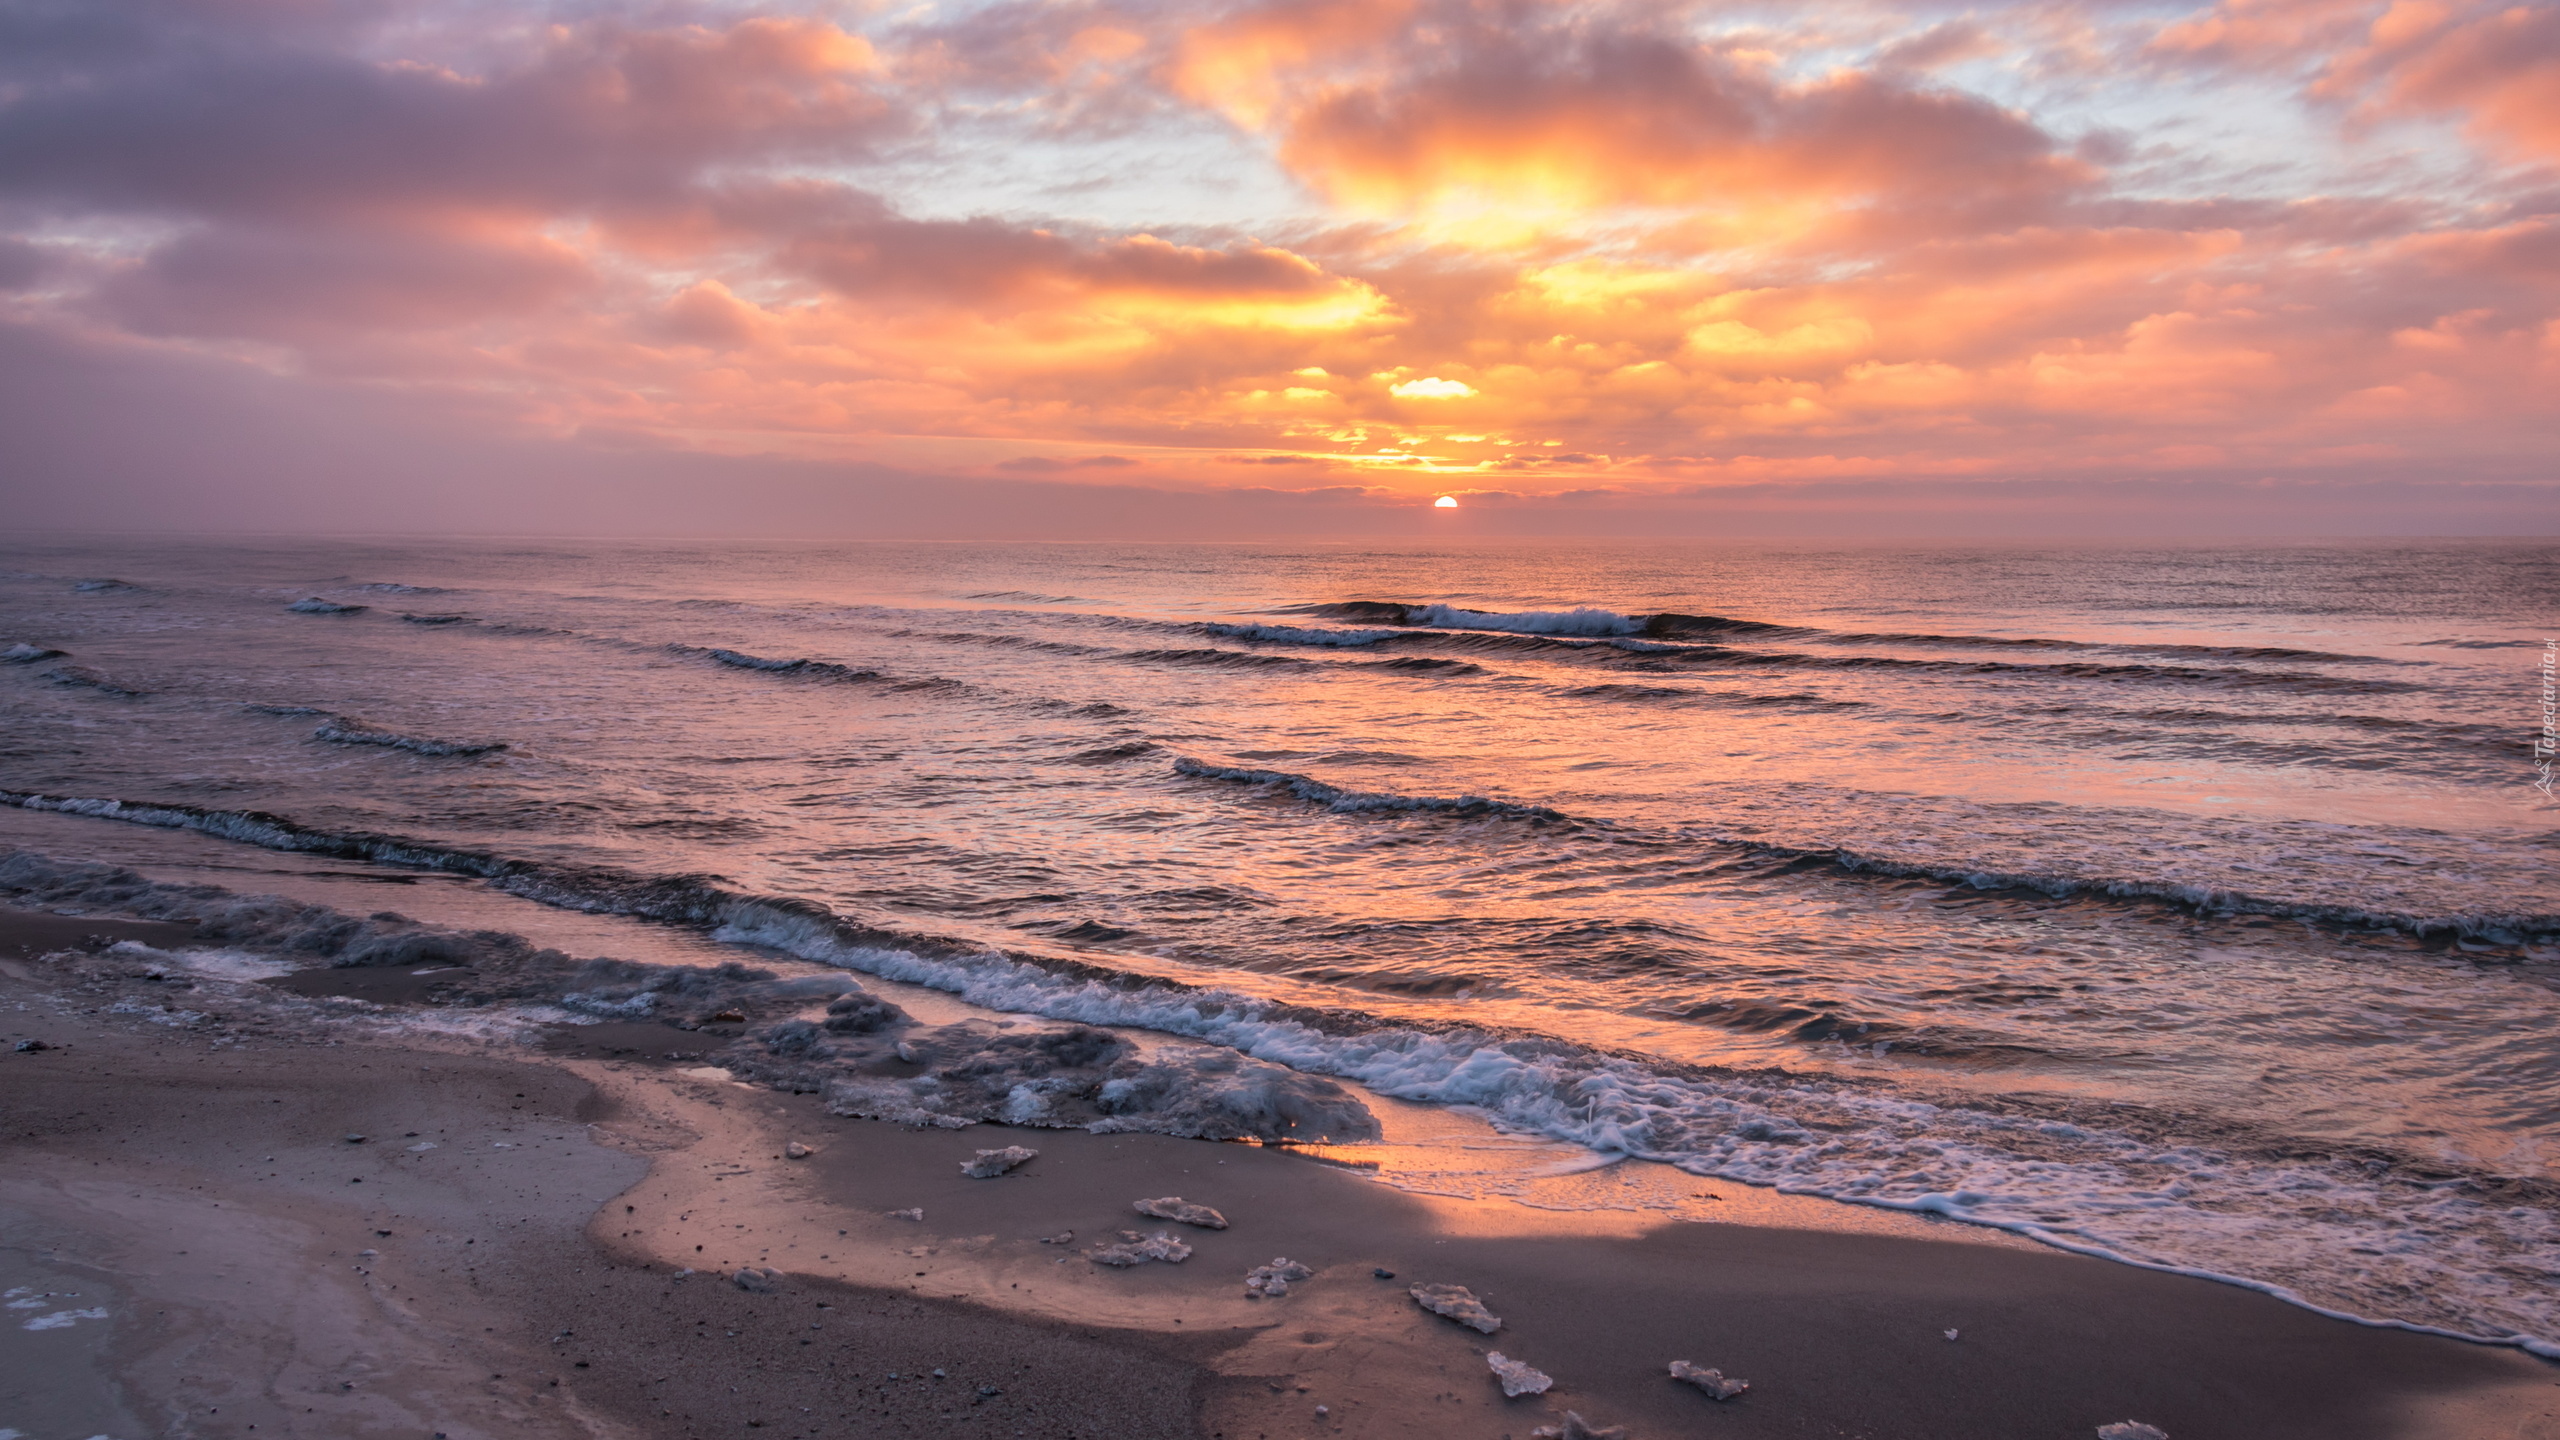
{"x":1445,"y":502}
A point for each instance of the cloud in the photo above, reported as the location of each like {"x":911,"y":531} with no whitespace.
{"x":1591,"y":248}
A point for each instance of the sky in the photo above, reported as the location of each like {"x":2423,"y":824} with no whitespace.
{"x":1115,"y":269}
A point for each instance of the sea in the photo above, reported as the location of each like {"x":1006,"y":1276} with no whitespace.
{"x":2189,"y":906}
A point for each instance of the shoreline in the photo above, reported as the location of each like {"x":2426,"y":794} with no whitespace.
{"x":133,"y":1130}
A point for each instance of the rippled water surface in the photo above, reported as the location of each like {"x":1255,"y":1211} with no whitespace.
{"x":2192,"y":906}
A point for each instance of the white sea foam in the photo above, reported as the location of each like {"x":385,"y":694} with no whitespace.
{"x":1585,"y":621}
{"x":2333,"y":1236}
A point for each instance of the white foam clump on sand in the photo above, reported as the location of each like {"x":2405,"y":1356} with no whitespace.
{"x":1517,"y":1379}
{"x":991,"y":1163}
{"x":2131,"y":1430}
{"x":1273,"y":1280}
{"x":1456,"y":1302}
{"x":1713,"y":1382}
{"x":64,"y":1319}
{"x":1299,"y":634}
{"x":1585,"y":621}
{"x":1174,"y":1207}
{"x":1136,"y":1249}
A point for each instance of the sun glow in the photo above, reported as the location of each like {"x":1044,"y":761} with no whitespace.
{"x":1445,"y":502}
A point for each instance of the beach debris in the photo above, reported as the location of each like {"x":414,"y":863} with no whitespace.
{"x":1272,"y":1281}
{"x":1577,"y":1428}
{"x":1135,"y":1249}
{"x":1456,"y":1302}
{"x":757,"y":1280}
{"x":1951,"y":1334}
{"x":29,"y":1047}
{"x":1382,"y":1272}
{"x":992,"y":1163}
{"x":1713,"y":1382}
{"x":1174,"y":1207}
{"x":2131,"y":1430}
{"x":917,"y":1213}
{"x":1517,"y":1379}
{"x":909,"y":1053}
{"x":796,"y":1151}
{"x":1063,"y":1237}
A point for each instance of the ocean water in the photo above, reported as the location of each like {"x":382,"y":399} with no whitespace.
{"x":2188,"y":906}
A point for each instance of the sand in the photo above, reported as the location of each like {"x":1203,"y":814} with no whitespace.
{"x":194,"y":1181}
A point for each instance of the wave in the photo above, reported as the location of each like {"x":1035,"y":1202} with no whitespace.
{"x":314,"y":605}
{"x":1685,"y":695}
{"x":2326,"y":1230}
{"x":386,"y":587}
{"x":85,"y":678}
{"x":436,"y":619}
{"x":2504,"y":928}
{"x":1296,"y":634}
{"x":101,"y":586}
{"x":811,"y":669}
{"x":1594,"y":622}
{"x":1028,"y":597}
{"x":1348,"y":802}
{"x":23,"y":653}
{"x":347,"y":730}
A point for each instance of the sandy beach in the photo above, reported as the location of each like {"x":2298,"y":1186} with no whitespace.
{"x":536,"y":1243}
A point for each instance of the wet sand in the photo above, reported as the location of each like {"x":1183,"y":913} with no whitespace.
{"x":194,"y":1181}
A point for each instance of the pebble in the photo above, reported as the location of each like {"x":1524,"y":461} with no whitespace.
{"x":757,"y":1280}
{"x":797,"y":1151}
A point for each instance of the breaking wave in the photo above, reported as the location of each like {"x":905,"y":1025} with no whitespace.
{"x":314,"y":605}
{"x":23,"y":653}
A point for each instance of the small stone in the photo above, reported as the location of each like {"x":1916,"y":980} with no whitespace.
{"x":1577,"y":1428}
{"x":1323,"y":1410}
{"x":1063,"y":1237}
{"x":1517,"y":1379}
{"x":757,"y":1280}
{"x":914,"y":1214}
{"x":1175,"y":1208}
{"x":938,"y":1375}
{"x":29,"y":1047}
{"x":1456,"y":1302}
{"x":797,"y":1151}
{"x":354,"y":1139}
{"x":1383,"y":1273}
{"x":992,"y":1163}
{"x":1951,"y":1334}
{"x":2131,"y":1430}
{"x":1712,"y":1382}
